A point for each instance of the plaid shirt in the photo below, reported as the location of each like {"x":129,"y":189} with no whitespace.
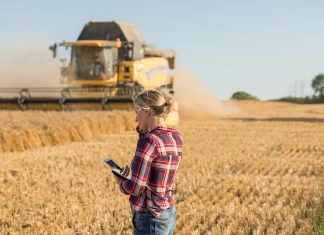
{"x":154,"y":166}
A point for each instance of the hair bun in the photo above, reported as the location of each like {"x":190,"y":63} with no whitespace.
{"x":167,"y":106}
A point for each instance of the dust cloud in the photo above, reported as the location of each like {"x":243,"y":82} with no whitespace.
{"x":28,"y":64}
{"x":197,"y":101}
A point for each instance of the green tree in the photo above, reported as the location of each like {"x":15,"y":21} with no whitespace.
{"x":318,"y":84}
{"x":242,"y":95}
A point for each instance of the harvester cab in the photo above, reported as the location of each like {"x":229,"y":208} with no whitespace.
{"x":93,"y":63}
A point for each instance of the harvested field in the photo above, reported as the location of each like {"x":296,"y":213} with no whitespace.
{"x":260,"y":171}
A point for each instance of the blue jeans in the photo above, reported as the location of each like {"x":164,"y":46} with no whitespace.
{"x":145,"y":223}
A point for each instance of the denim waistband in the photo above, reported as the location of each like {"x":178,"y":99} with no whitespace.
{"x":145,"y":210}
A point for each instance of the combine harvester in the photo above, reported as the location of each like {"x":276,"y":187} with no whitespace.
{"x":109,"y":62}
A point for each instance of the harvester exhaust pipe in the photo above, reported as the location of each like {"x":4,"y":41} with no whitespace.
{"x":53,"y":48}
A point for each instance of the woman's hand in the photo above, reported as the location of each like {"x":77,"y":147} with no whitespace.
{"x":137,"y":129}
{"x":125,"y":171}
{"x":118,"y":179}
{"x":140,"y":131}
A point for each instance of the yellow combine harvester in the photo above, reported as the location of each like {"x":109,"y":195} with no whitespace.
{"x":109,"y":62}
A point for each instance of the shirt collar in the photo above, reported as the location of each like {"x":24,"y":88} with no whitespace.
{"x":163,"y":128}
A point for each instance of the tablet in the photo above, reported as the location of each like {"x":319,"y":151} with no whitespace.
{"x":112,"y":164}
{"x":116,"y":169}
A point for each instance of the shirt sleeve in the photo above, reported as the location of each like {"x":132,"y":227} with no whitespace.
{"x":141,"y":166}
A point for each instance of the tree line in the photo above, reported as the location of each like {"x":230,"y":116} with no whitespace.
{"x":317,"y":86}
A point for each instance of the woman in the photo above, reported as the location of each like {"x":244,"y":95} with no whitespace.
{"x":154,"y":166}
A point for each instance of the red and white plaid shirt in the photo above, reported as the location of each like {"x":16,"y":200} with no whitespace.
{"x":154,"y":166}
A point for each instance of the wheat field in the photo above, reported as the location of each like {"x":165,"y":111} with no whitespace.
{"x":260,"y":171}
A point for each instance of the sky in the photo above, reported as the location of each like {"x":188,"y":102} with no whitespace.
{"x":269,"y":49}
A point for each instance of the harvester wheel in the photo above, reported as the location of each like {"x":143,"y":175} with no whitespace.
{"x":24,"y":95}
{"x":65,"y":94}
{"x":105,"y":99}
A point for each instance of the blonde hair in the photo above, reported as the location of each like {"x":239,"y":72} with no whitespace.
{"x":155,"y":100}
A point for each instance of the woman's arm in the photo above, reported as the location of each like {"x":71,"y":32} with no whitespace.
{"x":141,"y":166}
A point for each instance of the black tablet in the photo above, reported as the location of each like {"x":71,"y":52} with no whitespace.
{"x":116,"y":169}
{"x":112,"y":164}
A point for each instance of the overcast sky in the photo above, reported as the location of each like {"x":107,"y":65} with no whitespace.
{"x":267,"y":48}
